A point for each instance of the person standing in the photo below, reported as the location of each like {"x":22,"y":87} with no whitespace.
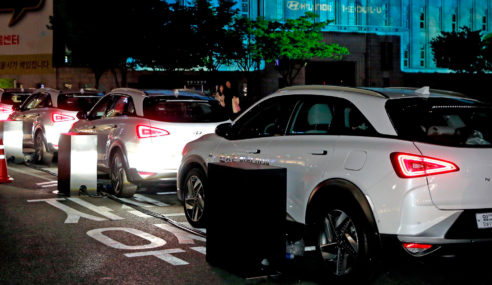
{"x":231,"y":101}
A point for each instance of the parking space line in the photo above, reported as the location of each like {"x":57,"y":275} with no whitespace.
{"x":166,"y":193}
{"x":31,"y":174}
{"x":139,"y":214}
{"x":48,"y":182}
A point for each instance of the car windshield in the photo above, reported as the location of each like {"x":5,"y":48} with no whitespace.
{"x":14,"y":98}
{"x":76,"y":103}
{"x":183,"y":111}
{"x":443,"y":121}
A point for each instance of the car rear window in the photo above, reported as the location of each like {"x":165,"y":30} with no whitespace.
{"x":14,"y":98}
{"x":183,"y":111}
{"x":76,"y":103}
{"x":443,"y":121}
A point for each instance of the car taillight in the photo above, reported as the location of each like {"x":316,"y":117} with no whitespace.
{"x":149,"y":132}
{"x":417,"y":248}
{"x":57,"y":118}
{"x":411,"y":165}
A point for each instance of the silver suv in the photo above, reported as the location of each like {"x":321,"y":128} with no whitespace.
{"x":141,"y":133}
{"x":46,"y":114}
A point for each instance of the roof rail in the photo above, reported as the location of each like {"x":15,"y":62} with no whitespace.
{"x":128,"y":90}
{"x":334,"y":88}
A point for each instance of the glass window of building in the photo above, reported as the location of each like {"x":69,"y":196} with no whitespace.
{"x":405,"y":58}
{"x":422,"y":57}
{"x":422,"y":18}
{"x":484,"y":23}
{"x":386,"y":15}
{"x":453,"y":23}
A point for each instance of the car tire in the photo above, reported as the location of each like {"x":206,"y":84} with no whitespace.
{"x":119,"y":179}
{"x":194,"y":189}
{"x":342,"y":237}
{"x":41,"y":153}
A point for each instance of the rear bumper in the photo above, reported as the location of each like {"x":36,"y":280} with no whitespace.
{"x":458,"y":234}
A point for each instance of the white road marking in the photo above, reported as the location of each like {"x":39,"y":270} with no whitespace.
{"x":49,"y":182}
{"x":101,"y":210}
{"x":143,"y":198}
{"x":130,"y":201}
{"x":98,"y":235}
{"x":164,"y":255}
{"x":200,"y":249}
{"x":140,"y":214}
{"x":166,"y":193}
{"x":50,"y":185}
{"x":174,"y":215}
{"x":182,"y":236}
{"x":73,"y":215}
{"x":54,"y":192}
{"x":23,"y":171}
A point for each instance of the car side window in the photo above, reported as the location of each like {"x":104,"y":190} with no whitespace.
{"x":99,"y":110}
{"x":269,"y":118}
{"x":122,"y":106}
{"x":354,"y":122}
{"x":313,"y":116}
{"x":40,"y":100}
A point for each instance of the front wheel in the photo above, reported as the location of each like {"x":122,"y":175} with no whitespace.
{"x":194,"y":197}
{"x":119,"y":182}
{"x":341,"y":235}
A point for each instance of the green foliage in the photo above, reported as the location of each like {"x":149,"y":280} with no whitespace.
{"x":290,"y":44}
{"x":463,"y":51}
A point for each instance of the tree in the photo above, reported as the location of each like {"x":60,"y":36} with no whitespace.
{"x":461,"y":51}
{"x":292,"y":44}
{"x":103,"y":35}
{"x":212,"y":26}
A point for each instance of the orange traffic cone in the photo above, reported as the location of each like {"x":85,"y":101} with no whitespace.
{"x":4,"y":177}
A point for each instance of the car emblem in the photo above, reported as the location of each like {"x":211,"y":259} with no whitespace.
{"x":197,"y":133}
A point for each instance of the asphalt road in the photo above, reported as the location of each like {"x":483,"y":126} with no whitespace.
{"x":46,"y":238}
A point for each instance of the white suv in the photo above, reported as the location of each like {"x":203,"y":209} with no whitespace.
{"x":46,"y":114}
{"x":141,"y":133}
{"x":364,"y":167}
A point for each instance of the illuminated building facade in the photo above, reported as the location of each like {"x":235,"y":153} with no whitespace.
{"x":384,"y":37}
{"x":416,"y":22}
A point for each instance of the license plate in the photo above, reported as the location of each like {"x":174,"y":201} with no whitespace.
{"x":484,"y":220}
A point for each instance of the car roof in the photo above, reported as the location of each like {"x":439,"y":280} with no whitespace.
{"x":139,"y":95}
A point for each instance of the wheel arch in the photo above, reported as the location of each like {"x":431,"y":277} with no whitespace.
{"x":193,"y":161}
{"x":342,"y":188}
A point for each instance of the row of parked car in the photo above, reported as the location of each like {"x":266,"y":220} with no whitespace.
{"x":366,"y":167}
{"x":140,"y":133}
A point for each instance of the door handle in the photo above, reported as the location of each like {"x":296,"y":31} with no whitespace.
{"x":324,"y":152}
{"x":93,"y":127}
{"x":255,"y":151}
{"x":115,"y":126}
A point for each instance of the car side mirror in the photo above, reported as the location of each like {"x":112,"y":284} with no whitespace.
{"x":224,"y":130}
{"x":81,"y":115}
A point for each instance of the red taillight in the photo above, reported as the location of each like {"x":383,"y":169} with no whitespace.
{"x":149,"y":132}
{"x":411,"y":165}
{"x":144,"y":174}
{"x":57,"y":118}
{"x":417,"y":248}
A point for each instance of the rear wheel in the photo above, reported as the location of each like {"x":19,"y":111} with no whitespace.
{"x":41,"y":153}
{"x":119,"y":181}
{"x":341,"y":235}
{"x":194,"y":197}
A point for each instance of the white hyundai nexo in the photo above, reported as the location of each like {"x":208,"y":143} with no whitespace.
{"x":140,"y":133}
{"x":365,"y":167}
